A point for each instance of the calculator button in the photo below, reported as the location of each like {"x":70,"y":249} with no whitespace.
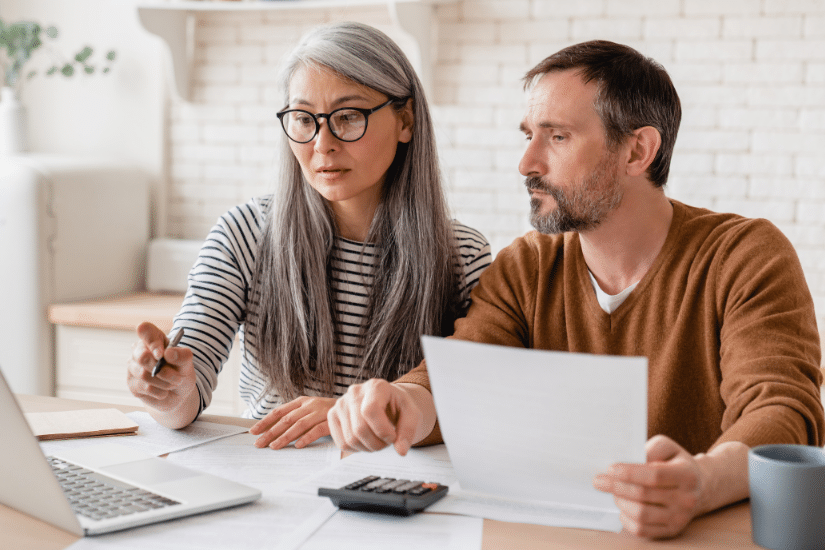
{"x":375,"y":484}
{"x":360,"y":483}
{"x":406,"y":487}
{"x":389,"y":487}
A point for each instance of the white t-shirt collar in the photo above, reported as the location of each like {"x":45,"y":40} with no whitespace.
{"x":609,"y":303}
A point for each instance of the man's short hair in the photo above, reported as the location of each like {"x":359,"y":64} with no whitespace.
{"x":633,"y":91}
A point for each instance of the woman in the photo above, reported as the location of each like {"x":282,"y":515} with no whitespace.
{"x":333,"y":281}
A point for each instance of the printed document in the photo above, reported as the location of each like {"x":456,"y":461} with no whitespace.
{"x":527,"y":430}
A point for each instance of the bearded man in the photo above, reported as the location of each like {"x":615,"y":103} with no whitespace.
{"x":717,"y":302}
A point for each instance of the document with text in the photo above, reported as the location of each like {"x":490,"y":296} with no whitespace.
{"x":527,"y":430}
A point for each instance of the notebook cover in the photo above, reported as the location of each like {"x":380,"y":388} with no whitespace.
{"x":82,"y":423}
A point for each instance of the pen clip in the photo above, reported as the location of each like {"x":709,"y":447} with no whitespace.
{"x":175,"y":340}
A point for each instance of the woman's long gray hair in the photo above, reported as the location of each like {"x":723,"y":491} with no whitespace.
{"x":415,"y":285}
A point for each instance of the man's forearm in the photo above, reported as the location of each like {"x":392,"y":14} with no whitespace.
{"x":724,"y":476}
{"x":424,"y":401}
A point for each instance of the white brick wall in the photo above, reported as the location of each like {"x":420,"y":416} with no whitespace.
{"x":751,"y":74}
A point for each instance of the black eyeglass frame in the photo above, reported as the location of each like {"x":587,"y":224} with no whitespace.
{"x":316,"y":116}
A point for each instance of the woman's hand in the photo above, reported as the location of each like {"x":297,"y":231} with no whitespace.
{"x":302,"y":420}
{"x":171,"y":396}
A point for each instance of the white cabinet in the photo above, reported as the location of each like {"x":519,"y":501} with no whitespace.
{"x":94,"y":340}
{"x":71,"y":228}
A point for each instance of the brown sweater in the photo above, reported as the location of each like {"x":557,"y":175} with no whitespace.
{"x":724,"y":317}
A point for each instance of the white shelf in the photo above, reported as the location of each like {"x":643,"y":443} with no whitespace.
{"x":273,"y":5}
{"x":174,"y":22}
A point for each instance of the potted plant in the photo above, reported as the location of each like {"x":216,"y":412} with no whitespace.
{"x":17,"y":42}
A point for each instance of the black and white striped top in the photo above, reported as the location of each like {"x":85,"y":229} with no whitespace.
{"x":217,"y":301}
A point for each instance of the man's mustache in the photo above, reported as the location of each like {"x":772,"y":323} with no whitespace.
{"x":535,"y":184}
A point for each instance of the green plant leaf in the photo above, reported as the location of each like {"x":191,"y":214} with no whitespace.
{"x":18,"y":40}
{"x":83,"y":55}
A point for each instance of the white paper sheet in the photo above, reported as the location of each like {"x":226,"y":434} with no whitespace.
{"x":364,"y":531}
{"x":257,"y":526}
{"x":535,"y":426}
{"x":277,"y":520}
{"x":237,"y":458}
{"x":154,"y":439}
{"x":525,"y":511}
{"x":348,"y":530}
{"x":291,"y":520}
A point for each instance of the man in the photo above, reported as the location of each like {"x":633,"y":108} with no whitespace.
{"x":716,"y":302}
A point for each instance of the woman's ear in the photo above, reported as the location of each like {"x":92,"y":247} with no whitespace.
{"x":644,"y":144}
{"x":407,"y":121}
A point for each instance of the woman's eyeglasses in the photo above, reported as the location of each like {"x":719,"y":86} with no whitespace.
{"x":346,"y":124}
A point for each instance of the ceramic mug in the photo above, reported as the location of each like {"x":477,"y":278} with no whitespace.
{"x":787,"y":491}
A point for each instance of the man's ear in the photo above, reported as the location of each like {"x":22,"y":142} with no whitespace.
{"x":407,"y":121}
{"x":643,"y":146}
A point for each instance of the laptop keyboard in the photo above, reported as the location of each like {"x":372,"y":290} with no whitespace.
{"x":99,"y":497}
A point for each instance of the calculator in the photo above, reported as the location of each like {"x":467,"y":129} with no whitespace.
{"x":386,"y":495}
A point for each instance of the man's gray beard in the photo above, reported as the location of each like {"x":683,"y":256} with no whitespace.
{"x":592,"y":200}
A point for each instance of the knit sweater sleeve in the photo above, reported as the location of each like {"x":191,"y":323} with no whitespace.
{"x":501,"y":303}
{"x":769,"y":352}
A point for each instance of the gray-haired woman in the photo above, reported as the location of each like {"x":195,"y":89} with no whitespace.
{"x":333,"y":280}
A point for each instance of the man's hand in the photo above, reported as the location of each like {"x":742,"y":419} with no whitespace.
{"x":302,"y":420}
{"x":375,"y":414}
{"x":658,"y":499}
{"x":171,"y":397}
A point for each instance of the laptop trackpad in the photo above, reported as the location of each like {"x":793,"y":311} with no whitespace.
{"x":150,"y":471}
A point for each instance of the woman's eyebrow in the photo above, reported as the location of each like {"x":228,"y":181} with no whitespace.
{"x":347,"y":99}
{"x":339,"y":101}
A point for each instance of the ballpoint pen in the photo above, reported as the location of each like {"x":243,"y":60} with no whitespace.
{"x":172,"y":343}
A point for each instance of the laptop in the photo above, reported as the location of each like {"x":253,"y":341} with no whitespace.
{"x":129,"y":488}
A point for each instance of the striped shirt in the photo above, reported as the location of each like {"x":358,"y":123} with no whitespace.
{"x":217,"y":303}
